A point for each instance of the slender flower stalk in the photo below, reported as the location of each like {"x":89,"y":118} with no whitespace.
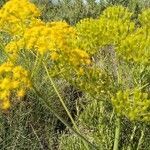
{"x":63,"y":104}
{"x":62,"y":119}
{"x":131,"y":138}
{"x":141,"y":138}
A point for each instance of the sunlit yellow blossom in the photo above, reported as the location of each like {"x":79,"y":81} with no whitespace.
{"x":54,"y":56}
{"x":80,"y":71}
{"x":5,"y":104}
{"x":5,"y":84}
{"x":12,"y":79}
{"x":15,"y":15}
{"x":21,"y":93}
{"x":15,"y":84}
{"x":4,"y":94}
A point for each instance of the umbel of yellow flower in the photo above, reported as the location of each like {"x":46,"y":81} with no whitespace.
{"x":15,"y":15}
{"x":14,"y":83}
{"x":116,"y":28}
{"x":145,"y":18}
{"x":49,"y":37}
{"x":42,"y":37}
{"x":55,"y":38}
{"x":133,"y":104}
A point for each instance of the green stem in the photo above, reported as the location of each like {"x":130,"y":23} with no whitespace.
{"x":36,"y":66}
{"x":62,"y":102}
{"x":141,"y":138}
{"x":62,"y":120}
{"x":117,"y":134}
{"x":131,"y":138}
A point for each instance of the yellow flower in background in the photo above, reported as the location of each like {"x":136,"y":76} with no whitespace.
{"x":136,"y":46}
{"x":116,"y":28}
{"x":15,"y":15}
{"x":80,"y":71}
{"x":117,"y":12}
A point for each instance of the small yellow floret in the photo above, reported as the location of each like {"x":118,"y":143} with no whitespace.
{"x":5,"y":105}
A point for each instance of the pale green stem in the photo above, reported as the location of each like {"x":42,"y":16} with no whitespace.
{"x":117,"y":134}
{"x":60,"y":98}
{"x":118,"y":119}
{"x":63,"y":121}
{"x":36,"y":65}
{"x":62,"y":102}
{"x":141,"y":138}
{"x":40,"y":144}
{"x":131,"y":138}
{"x":112,"y":115}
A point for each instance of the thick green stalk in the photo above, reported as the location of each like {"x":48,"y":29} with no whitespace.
{"x":60,"y":98}
{"x":63,"y":104}
{"x":62,"y":120}
{"x":117,"y":134}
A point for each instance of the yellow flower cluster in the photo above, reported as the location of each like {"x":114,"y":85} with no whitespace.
{"x":117,"y":12}
{"x":15,"y":15}
{"x":145,"y":18}
{"x":55,"y":38}
{"x":116,"y":28}
{"x":136,"y":46}
{"x":112,"y":26}
{"x":14,"y":82}
{"x":133,"y":104}
{"x":51,"y":36}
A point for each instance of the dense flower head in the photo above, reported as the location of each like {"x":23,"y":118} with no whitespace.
{"x":15,"y":15}
{"x":109,"y":29}
{"x":117,"y":12}
{"x":133,"y":104}
{"x":43,"y":37}
{"x":116,"y":28}
{"x":55,"y":39}
{"x":14,"y":83}
{"x":136,"y":46}
{"x":145,"y":18}
{"x":51,"y":36}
